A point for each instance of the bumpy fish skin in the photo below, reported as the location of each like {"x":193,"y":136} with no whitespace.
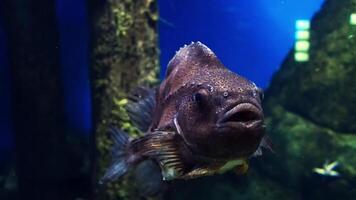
{"x":195,"y":68}
{"x":205,"y":120}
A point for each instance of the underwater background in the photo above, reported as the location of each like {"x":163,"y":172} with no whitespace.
{"x":66,"y":68}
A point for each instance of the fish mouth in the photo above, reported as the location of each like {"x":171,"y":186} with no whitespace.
{"x":243,"y":115}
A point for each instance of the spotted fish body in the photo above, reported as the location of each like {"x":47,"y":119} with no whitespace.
{"x":204,"y":120}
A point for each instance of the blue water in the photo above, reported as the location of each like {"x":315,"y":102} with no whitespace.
{"x":74,"y":48}
{"x":250,"y":37}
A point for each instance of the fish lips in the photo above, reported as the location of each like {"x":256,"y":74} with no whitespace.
{"x":243,"y":116}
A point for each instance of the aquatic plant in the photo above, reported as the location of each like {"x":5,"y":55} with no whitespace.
{"x":124,"y":55}
{"x":324,"y":86}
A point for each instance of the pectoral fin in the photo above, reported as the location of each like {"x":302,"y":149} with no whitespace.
{"x":163,"y":147}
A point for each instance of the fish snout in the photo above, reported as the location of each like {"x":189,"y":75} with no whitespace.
{"x":246,"y":115}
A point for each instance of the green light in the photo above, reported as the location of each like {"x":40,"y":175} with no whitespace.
{"x":301,"y":56}
{"x":302,"y":46}
{"x":353,"y":19}
{"x":302,"y":35}
{"x":302,"y":24}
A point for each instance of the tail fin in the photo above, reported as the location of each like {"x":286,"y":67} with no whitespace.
{"x":119,"y":165}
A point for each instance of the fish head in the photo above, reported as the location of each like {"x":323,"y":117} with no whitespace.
{"x":223,"y":119}
{"x":217,"y":112}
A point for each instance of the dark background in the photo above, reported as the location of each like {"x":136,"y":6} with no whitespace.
{"x":250,"y":37}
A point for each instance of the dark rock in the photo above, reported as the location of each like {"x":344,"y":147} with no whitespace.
{"x":323,"y":89}
{"x":301,"y":146}
{"x":310,"y":112}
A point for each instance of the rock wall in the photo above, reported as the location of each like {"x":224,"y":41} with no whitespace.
{"x":124,"y":55}
{"x":310,"y":110}
{"x":324,"y":88}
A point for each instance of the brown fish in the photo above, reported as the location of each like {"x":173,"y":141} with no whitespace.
{"x":202,"y":120}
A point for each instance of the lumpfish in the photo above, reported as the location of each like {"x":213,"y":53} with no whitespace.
{"x":202,"y":120}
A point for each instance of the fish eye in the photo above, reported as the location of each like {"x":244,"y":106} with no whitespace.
{"x":261,"y":93}
{"x":225,"y":94}
{"x":201,"y":96}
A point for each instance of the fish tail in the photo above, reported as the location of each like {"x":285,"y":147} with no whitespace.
{"x":120,"y":152}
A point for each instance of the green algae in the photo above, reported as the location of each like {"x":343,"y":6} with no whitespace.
{"x":324,"y":86}
{"x":125,"y":55}
{"x":122,"y":117}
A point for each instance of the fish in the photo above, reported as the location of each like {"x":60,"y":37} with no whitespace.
{"x":202,"y":120}
{"x":328,"y":169}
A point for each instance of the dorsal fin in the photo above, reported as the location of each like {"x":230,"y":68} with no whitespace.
{"x":140,"y":108}
{"x":194,"y":54}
